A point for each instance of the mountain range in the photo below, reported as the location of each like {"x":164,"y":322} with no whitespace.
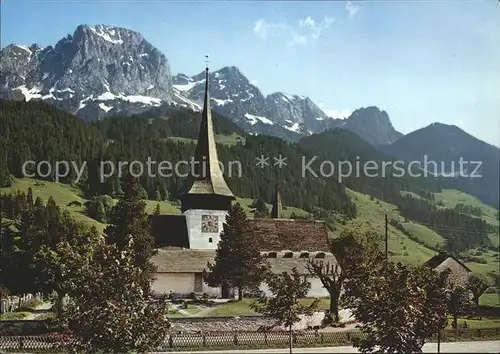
{"x":101,"y":71}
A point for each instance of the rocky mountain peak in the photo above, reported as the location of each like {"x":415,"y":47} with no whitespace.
{"x":96,"y":64}
{"x":373,"y":125}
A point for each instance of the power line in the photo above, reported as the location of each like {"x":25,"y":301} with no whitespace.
{"x":452,"y":228}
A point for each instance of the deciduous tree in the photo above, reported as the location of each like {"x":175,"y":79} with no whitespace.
{"x":108,"y":308}
{"x":477,"y":286}
{"x":458,"y":302}
{"x":332,"y":278}
{"x":284,"y":306}
{"x":356,"y":253}
{"x":56,"y":265}
{"x":400,"y":308}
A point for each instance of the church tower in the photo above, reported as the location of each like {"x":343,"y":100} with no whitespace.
{"x":208,"y":199}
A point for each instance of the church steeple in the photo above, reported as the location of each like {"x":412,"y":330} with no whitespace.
{"x":277,"y":211}
{"x":207,"y":179}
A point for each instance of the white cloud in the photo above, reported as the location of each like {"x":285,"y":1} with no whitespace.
{"x":264,"y":29}
{"x":305,"y":29}
{"x":352,"y":9}
{"x":338,"y":113}
{"x":254,"y":82}
{"x":461,"y":123}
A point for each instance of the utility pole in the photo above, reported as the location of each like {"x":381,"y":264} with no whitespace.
{"x":386,"y":239}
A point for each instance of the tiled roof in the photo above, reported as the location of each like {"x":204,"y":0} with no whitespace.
{"x":195,"y":261}
{"x":441,"y":257}
{"x":274,"y":234}
{"x":290,"y":234}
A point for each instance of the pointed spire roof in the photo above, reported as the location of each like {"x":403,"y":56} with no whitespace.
{"x":208,"y":178}
{"x":277,"y":211}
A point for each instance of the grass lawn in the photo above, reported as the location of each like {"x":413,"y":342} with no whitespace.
{"x":371,"y":214}
{"x":13,"y":316}
{"x":234,"y":308}
{"x":229,"y":140}
{"x":490,"y":299}
{"x":424,"y":234}
{"x":193,"y":310}
{"x":485,"y":269}
{"x":242,"y":308}
{"x":63,"y":194}
{"x":484,"y":322}
{"x":165,"y":207}
{"x":452,"y":197}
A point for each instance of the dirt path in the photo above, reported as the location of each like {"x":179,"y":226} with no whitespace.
{"x":203,"y":313}
{"x":42,"y":307}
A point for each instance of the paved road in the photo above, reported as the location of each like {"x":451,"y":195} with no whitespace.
{"x":457,"y":347}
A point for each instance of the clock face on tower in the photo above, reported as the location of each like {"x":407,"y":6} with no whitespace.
{"x":210,"y":223}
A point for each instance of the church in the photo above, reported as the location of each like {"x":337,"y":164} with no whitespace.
{"x":188,"y":241}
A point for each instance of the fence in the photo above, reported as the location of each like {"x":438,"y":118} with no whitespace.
{"x":231,"y":340}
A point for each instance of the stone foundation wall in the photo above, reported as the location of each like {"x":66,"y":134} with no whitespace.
{"x":23,"y":327}
{"x":217,"y":324}
{"x":191,"y":325}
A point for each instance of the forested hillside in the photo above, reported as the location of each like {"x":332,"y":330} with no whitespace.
{"x":138,"y":138}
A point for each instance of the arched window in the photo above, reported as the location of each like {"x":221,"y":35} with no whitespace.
{"x":271,"y":255}
{"x":210,"y":240}
{"x":288,"y":255}
{"x":304,"y":255}
{"x":320,"y":255}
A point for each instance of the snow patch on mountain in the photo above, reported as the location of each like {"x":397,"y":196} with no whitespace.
{"x":104,"y":107}
{"x":253,"y":119}
{"x":107,"y":33}
{"x":219,"y":102}
{"x":293,"y":128}
{"x":108,"y":96}
{"x":179,"y":99}
{"x":31,"y":93}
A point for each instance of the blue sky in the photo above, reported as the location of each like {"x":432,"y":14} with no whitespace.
{"x":422,"y":62}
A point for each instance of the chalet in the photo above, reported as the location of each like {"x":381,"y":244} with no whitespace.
{"x":187,"y":242}
{"x":459,"y":271}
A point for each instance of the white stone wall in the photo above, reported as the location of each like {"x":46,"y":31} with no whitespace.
{"x":317,"y":289}
{"x":183,"y":283}
{"x":197,"y":239}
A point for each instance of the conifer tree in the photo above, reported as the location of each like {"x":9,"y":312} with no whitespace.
{"x":129,"y":218}
{"x":238,"y":262}
{"x":100,"y":212}
{"x":157,"y":209}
